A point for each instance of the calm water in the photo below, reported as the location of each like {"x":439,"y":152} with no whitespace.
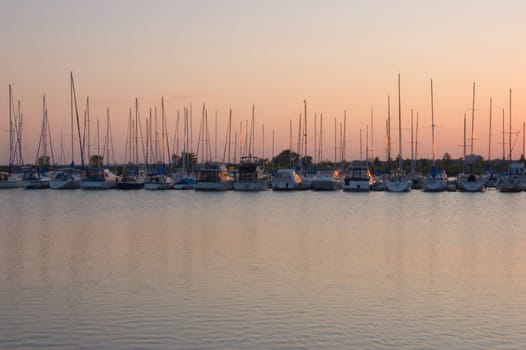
{"x":187,"y":270}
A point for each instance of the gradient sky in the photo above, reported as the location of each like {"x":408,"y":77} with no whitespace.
{"x":338,"y":55}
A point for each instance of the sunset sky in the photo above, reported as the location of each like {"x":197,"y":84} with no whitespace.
{"x":338,"y":55}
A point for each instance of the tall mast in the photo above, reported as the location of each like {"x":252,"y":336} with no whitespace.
{"x":416,"y":139}
{"x":489,"y":142}
{"x":399,"y":126}
{"x":510,"y":127}
{"x":503,"y":142}
{"x":215,"y":137}
{"x":10,"y":127}
{"x":432,"y":124}
{"x":472,"y":118}
{"x":372,"y":134}
{"x":305,"y":132}
{"x":89,"y":134}
{"x":412,"y":146}
{"x":344,"y":134}
{"x":74,"y":94}
{"x":465,"y":143}
{"x":389,"y":131}
{"x":315,"y":139}
{"x":335,"y":156}
{"x":71,"y":115}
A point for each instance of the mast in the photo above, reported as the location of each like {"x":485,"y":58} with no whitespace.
{"x":400,"y":165}
{"x":372,"y":134}
{"x":412,"y":147}
{"x":10,"y":127}
{"x":489,"y":142}
{"x":344,"y":135}
{"x":472,"y":118}
{"x":510,"y":127}
{"x":416,"y":140}
{"x":74,"y":98}
{"x":503,"y":142}
{"x":464,"y":142}
{"x":432,"y":124}
{"x":388,"y":131}
{"x":71,"y":116}
{"x":335,"y":156}
{"x":315,"y":139}
{"x":215,"y":137}
{"x":305,"y":133}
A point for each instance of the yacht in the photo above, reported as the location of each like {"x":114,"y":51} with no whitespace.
{"x":287,"y":180}
{"x":250,"y":177}
{"x":213,"y":176}
{"x":358,"y":179}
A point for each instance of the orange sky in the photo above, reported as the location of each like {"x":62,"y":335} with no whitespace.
{"x":338,"y":55}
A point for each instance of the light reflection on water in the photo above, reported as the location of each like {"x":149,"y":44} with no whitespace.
{"x":266,"y":270}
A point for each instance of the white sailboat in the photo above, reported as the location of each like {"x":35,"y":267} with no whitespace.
{"x":156,"y":179}
{"x":436,"y":179}
{"x":469,"y":181}
{"x":398,"y":180}
{"x":37,"y":178}
{"x":67,"y":178}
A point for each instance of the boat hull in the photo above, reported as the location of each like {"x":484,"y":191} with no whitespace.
{"x":399,"y":185}
{"x":64,"y":185}
{"x":214,"y":186}
{"x":356,"y":186}
{"x":326,"y":185}
{"x":37,"y":184}
{"x":96,"y":185}
{"x":251,"y":186}
{"x":11,"y":184}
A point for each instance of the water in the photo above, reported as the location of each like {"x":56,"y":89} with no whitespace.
{"x":187,"y":270}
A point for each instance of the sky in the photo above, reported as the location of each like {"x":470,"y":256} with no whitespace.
{"x":338,"y":56}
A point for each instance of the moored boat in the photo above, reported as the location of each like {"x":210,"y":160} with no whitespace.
{"x":213,"y":176}
{"x":250,"y":177}
{"x":358,"y":179}
{"x":98,"y":179}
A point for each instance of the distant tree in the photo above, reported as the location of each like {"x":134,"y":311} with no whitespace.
{"x":96,"y":160}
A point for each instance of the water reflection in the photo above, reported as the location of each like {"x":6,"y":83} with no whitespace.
{"x":265,"y":270}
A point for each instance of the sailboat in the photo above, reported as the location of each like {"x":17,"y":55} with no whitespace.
{"x":359,"y":178}
{"x":398,"y":180}
{"x":250,"y":176}
{"x":436,"y":179}
{"x":183,"y":178}
{"x":133,"y":178}
{"x":212,"y":175}
{"x":96,"y":177}
{"x":469,"y":181}
{"x":512,"y":181}
{"x":10,"y":179}
{"x":156,"y":179}
{"x":67,"y":178}
{"x":36,"y":177}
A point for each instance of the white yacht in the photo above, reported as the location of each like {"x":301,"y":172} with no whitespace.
{"x":287,"y":180}
{"x":8,"y":180}
{"x":358,"y":179}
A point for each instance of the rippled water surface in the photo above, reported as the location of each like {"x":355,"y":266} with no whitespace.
{"x":306,"y":270}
